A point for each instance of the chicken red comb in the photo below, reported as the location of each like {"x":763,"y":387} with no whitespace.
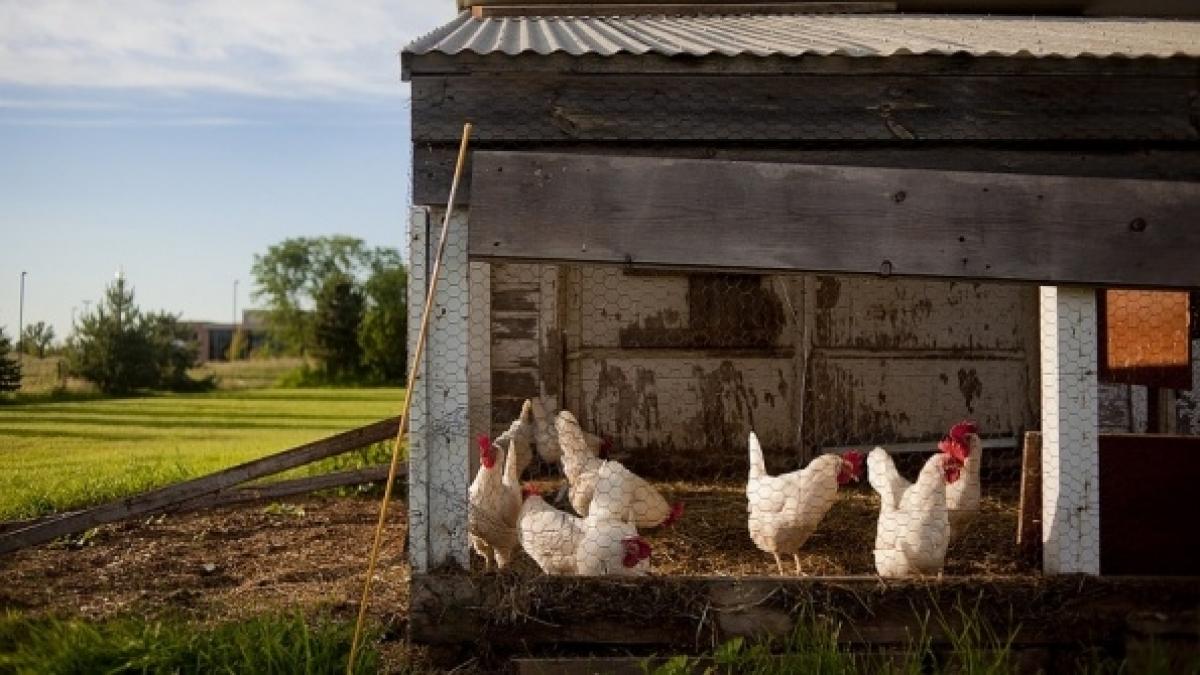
{"x":959,"y":431}
{"x":528,"y":490}
{"x":674,"y":516}
{"x":855,"y":458}
{"x":485,"y":443}
{"x":955,"y":447}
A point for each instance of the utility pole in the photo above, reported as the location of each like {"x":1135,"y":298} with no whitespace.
{"x":21,"y":319}
{"x":235,"y":317}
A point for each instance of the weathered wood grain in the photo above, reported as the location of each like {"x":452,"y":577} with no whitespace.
{"x":433,"y":164}
{"x":198,"y":488}
{"x":898,"y":109}
{"x":1029,"y":510}
{"x":854,"y":220}
{"x":288,"y":488}
{"x":250,"y":493}
{"x":693,"y":612}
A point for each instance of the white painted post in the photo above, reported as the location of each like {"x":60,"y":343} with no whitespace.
{"x":1070,"y":431}
{"x":439,"y":439}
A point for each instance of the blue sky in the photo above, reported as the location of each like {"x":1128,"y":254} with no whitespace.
{"x":177,"y":138}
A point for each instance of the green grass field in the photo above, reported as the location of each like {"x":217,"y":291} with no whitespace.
{"x":66,"y":454}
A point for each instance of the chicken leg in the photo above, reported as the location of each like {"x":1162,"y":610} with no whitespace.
{"x":796,"y":557}
{"x":778,"y":563}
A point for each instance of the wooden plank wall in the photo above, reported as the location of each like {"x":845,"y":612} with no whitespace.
{"x":882,"y":107}
{"x":853,"y":361}
{"x":670,"y":212}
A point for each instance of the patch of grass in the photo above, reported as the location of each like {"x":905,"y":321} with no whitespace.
{"x":59,"y":455}
{"x":975,"y":648}
{"x":264,"y":644}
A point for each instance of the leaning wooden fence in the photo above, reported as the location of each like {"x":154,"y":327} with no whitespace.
{"x":221,"y":488}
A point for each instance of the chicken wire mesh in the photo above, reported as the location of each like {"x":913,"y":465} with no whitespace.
{"x":609,"y":412}
{"x":663,"y":376}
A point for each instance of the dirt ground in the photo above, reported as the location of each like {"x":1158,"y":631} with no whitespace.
{"x":308,"y":554}
{"x":712,"y":539}
{"x":304,"y":554}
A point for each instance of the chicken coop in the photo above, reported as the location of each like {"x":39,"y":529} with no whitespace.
{"x":838,"y":232}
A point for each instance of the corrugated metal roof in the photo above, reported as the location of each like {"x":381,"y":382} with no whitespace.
{"x":820,"y":35}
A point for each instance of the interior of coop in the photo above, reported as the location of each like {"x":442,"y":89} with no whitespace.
{"x":676,"y":368}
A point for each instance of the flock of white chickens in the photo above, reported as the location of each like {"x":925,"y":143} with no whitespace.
{"x":917,"y":520}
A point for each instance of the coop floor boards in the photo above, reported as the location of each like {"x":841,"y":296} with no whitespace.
{"x":691,"y":614}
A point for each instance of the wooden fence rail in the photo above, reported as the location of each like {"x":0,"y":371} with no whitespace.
{"x":200,"y":492}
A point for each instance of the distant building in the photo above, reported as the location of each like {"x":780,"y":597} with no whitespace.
{"x":213,"y":339}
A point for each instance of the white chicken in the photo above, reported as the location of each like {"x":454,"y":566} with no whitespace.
{"x":606,"y":484}
{"x":914,"y":525}
{"x":494,"y":502}
{"x":521,"y":434}
{"x":564,"y":544}
{"x":962,"y":496}
{"x":547,"y":438}
{"x":786,"y":509}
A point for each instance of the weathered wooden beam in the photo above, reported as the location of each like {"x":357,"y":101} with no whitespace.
{"x":433,"y":164}
{"x":690,"y":613}
{"x":677,"y":9}
{"x":157,"y":500}
{"x":852,"y":220}
{"x":288,"y":488}
{"x":1029,"y":511}
{"x":250,"y":493}
{"x":719,"y":108}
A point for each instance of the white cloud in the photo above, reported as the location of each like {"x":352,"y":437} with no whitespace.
{"x":275,"y":48}
{"x":97,"y":122}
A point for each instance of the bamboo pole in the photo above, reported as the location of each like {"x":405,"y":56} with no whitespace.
{"x":418,"y":352}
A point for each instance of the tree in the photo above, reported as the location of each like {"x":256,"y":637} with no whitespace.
{"x":37,"y":339}
{"x":291,"y":274}
{"x":338,"y":315}
{"x":123,"y":350}
{"x":10,"y":365}
{"x":384,"y":332}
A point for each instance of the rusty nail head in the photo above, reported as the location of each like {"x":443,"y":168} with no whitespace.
{"x":899,"y":196}
{"x":1138,"y":225}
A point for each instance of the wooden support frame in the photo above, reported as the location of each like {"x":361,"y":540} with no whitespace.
{"x":858,"y":220}
{"x":726,"y":108}
{"x":1070,"y":431}
{"x":439,"y":435}
{"x":433,"y":164}
{"x":692,"y":614}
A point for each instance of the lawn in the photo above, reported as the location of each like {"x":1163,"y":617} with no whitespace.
{"x":62,"y":455}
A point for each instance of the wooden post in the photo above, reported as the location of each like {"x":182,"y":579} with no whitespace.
{"x":1029,"y":523}
{"x":439,"y":437}
{"x":1070,"y":431}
